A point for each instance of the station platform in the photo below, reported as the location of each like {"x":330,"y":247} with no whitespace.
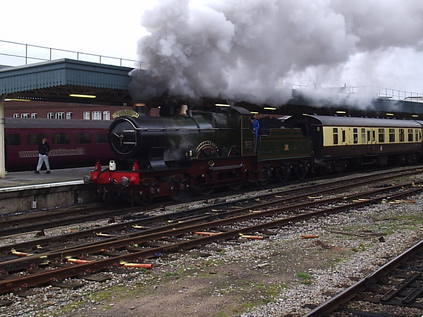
{"x":57,"y":177}
{"x":21,"y":191}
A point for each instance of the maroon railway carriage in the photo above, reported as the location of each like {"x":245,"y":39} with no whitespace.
{"x":73,"y":143}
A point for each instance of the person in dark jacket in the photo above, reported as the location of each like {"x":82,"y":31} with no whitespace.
{"x":43,"y":150}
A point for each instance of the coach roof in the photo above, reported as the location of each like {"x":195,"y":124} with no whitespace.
{"x":353,"y":121}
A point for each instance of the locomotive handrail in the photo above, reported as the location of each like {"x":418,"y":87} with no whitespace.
{"x":228,"y":167}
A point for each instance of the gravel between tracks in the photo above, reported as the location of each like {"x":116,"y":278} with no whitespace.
{"x":283,"y":275}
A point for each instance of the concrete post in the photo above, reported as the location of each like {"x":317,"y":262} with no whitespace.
{"x":2,"y":151}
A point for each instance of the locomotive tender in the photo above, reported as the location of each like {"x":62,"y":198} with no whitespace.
{"x":168,"y":156}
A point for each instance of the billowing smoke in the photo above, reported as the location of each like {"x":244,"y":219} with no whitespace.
{"x":256,"y":50}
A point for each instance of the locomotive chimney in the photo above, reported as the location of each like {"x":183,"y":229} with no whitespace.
{"x":142,"y":108}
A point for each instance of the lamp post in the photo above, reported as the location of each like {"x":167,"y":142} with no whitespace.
{"x":2,"y":152}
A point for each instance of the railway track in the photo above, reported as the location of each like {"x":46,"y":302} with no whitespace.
{"x":215,"y":211}
{"x":396,"y":289}
{"x":44,"y":220}
{"x":252,"y":222}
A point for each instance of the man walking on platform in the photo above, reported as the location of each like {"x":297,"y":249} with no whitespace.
{"x":43,"y":150}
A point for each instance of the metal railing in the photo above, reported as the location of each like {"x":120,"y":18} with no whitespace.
{"x":375,"y":92}
{"x":17,"y":54}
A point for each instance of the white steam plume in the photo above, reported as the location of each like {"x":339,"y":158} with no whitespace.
{"x":255,"y":49}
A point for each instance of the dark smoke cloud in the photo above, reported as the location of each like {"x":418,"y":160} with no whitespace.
{"x":256,"y":49}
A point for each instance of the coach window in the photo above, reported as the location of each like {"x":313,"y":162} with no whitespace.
{"x":16,"y":115}
{"x":410,"y":135}
{"x":96,"y":115}
{"x":25,"y":115}
{"x":391,"y":135}
{"x":68,"y":115}
{"x":101,"y":138}
{"x":381,"y":135}
{"x":86,"y":115}
{"x":13,"y":139}
{"x":355,"y":135}
{"x":344,"y":137}
{"x":335,"y":135}
{"x":420,"y":135}
{"x":363,"y":136}
{"x":61,"y":138}
{"x":60,"y":115}
{"x":401,"y":135}
{"x":83,"y":138}
{"x":50,"y":115}
{"x":35,"y":139}
{"x":34,"y":115}
{"x":106,"y":115}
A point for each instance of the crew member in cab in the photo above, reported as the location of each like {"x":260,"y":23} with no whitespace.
{"x":255,"y":127}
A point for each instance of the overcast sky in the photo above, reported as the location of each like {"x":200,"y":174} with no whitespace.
{"x":102,"y":27}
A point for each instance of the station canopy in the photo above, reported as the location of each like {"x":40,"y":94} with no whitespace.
{"x":67,"y":80}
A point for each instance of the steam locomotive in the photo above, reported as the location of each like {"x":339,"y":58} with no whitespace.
{"x":202,"y":150}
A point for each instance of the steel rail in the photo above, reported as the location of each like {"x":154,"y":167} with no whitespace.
{"x":11,"y":228}
{"x":177,"y":229}
{"x":41,"y":278}
{"x":349,"y":293}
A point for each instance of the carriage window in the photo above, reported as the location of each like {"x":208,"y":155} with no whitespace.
{"x":381,"y":135}
{"x":391,"y":135}
{"x":101,"y":138}
{"x":401,"y":135}
{"x":13,"y":139}
{"x":335,"y":135}
{"x":410,"y":135}
{"x":363,"y":136}
{"x":374,"y":136}
{"x":368,"y":136}
{"x":35,"y":138}
{"x":83,"y":138}
{"x":61,"y":138}
{"x":355,"y":135}
{"x":344,"y":137}
{"x":420,"y":135}
{"x":417,"y":135}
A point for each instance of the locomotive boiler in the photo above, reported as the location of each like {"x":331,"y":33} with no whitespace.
{"x":159,"y":143}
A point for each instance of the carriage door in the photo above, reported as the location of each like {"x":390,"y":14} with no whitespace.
{"x":316,"y":135}
{"x":247,"y":137}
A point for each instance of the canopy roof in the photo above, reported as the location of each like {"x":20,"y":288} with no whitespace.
{"x":56,"y":80}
